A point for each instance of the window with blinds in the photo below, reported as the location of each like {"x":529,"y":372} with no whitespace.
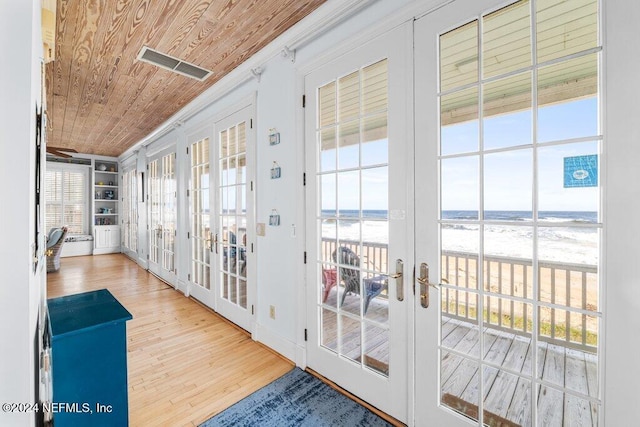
{"x":66,"y":198}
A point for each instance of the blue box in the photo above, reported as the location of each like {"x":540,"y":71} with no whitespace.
{"x":89,"y":360}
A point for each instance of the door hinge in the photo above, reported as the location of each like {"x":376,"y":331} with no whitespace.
{"x":187,"y":193}
{"x":175,"y":232}
{"x":251,"y":124}
{"x":251,"y":185}
{"x":188,"y":235}
{"x":252,"y":248}
{"x":305,"y":334}
{"x":175,"y":155}
{"x":187,"y":150}
{"x":189,"y":276}
{"x":147,"y":256}
{"x":147,"y":167}
{"x":252,"y":310}
{"x":305,"y":257}
{"x":304,"y":179}
{"x":147,"y":226}
{"x":304,"y":101}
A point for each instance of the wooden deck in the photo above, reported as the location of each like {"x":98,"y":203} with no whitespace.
{"x":507,"y":395}
{"x":376,"y":341}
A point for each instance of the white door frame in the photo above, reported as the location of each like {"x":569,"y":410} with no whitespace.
{"x":389,"y":394}
{"x":156,"y":268}
{"x":427,"y":355}
{"x":242,"y":111}
{"x":206,"y":296}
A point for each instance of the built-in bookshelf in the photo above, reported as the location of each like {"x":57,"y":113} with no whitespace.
{"x":105,"y":207}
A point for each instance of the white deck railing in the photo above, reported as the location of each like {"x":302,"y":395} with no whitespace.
{"x":567,"y":293}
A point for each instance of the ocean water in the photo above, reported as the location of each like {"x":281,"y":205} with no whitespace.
{"x":562,"y":241}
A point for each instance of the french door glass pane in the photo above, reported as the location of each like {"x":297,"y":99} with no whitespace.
{"x":524,"y":271}
{"x":353,"y":181}
{"x":154,"y":211}
{"x":233,"y":214}
{"x":200,"y":213}
{"x":168,"y":211}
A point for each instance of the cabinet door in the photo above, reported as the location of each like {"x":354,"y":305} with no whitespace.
{"x":101,"y":237}
{"x":114,"y":237}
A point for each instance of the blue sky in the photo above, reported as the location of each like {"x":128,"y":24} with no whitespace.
{"x":508,"y":175}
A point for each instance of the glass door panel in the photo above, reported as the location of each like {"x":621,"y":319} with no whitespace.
{"x":233,"y":214}
{"x":130,"y":211}
{"x":162,"y":215}
{"x":356,"y":222}
{"x":516,"y":265}
{"x":200,"y":233}
{"x":155,"y":221}
{"x":234,"y":217}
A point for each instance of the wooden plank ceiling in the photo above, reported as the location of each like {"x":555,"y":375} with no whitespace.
{"x":101,"y":100}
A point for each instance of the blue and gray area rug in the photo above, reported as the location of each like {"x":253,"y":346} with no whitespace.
{"x":296,"y":399}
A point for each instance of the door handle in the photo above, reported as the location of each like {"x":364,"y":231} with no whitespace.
{"x":215,"y":242}
{"x":399,"y":282}
{"x":208,"y":240}
{"x":423,"y":279}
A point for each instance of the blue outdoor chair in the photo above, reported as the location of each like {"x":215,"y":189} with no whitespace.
{"x":373,"y":286}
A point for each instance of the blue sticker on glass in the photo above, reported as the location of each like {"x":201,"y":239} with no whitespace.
{"x":581,"y":171}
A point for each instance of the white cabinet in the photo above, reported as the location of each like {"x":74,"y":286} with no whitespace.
{"x":107,"y":239}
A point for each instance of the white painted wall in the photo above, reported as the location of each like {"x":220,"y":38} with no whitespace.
{"x":21,"y":289}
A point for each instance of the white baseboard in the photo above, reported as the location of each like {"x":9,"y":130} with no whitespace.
{"x":182,"y":286}
{"x":275,"y":342}
{"x":103,"y":251}
{"x":301,"y":357}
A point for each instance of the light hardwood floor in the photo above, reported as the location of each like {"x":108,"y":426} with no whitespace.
{"x":185,"y":362}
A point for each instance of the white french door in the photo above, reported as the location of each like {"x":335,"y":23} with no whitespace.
{"x":130,"y":212}
{"x":357,"y":124}
{"x":508,"y":142}
{"x":234,"y":220}
{"x":162,"y":214}
{"x":201,"y":204}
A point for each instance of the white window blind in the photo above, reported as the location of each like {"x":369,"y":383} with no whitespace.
{"x":66,"y":199}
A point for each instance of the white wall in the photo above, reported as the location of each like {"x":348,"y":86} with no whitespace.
{"x":21,"y":289}
{"x":279,"y":254}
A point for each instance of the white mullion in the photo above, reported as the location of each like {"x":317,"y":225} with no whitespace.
{"x":481,"y":220}
{"x":535,"y":265}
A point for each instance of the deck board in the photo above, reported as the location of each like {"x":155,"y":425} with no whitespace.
{"x":508,"y":395}
{"x":505,"y":394}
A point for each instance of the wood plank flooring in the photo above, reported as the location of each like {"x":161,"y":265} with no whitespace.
{"x":185,"y":362}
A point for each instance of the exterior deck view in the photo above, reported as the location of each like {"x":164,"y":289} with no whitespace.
{"x":565,"y":344}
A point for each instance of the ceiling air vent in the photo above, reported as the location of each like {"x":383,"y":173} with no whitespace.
{"x":173,"y":64}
